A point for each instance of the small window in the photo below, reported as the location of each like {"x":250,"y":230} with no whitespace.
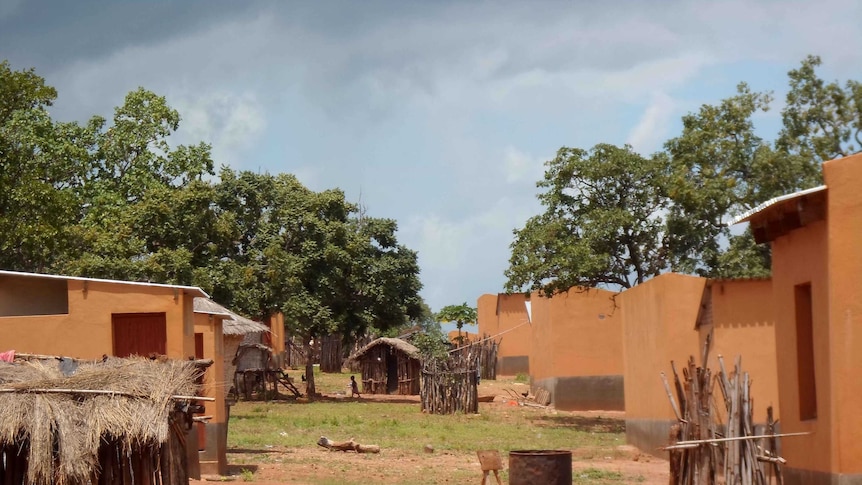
{"x":805,"y":352}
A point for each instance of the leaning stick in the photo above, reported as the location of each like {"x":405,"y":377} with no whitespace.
{"x":100,"y":392}
{"x":692,"y":443}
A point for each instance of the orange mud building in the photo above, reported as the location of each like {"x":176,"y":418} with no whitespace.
{"x":816,"y":238}
{"x":86,"y":318}
{"x":668,"y":319}
{"x":570,"y":344}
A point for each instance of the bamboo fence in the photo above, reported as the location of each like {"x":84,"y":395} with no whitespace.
{"x":715,"y":440}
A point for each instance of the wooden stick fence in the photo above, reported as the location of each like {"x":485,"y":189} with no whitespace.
{"x":485,"y":350}
{"x":450,"y":386}
{"x":715,"y":436}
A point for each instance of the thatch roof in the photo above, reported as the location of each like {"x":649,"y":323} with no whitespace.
{"x":395,"y":343}
{"x":65,"y":429}
{"x":235,"y":324}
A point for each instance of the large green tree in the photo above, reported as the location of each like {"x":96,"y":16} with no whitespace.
{"x":613,"y":218}
{"x":822,"y":120}
{"x":114,"y":199}
{"x":602,"y":224}
{"x":308,"y":255}
{"x":43,"y":165}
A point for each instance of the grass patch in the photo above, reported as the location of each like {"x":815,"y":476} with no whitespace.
{"x":285,"y":433}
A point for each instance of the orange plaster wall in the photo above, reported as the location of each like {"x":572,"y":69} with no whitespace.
{"x":577,"y":333}
{"x":797,"y":258}
{"x":276,"y":326}
{"x":465,"y":336}
{"x":512,"y":314}
{"x":211,"y":328}
{"x":486,"y":311}
{"x":743,"y":324}
{"x":844,"y":307}
{"x":86,"y":331}
{"x":658,"y":320}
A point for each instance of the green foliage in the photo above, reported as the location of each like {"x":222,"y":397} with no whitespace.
{"x":601,"y":224}
{"x":116,"y":200}
{"x":432,"y":344}
{"x":822,"y":120}
{"x":721,"y":167}
{"x":462,"y":314}
{"x":43,"y":165}
{"x":613,"y":218}
{"x":247,"y":475}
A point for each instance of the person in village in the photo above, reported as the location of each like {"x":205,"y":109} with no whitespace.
{"x":354,"y":387}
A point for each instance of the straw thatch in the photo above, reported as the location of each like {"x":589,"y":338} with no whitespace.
{"x":236,"y":324}
{"x":395,"y":343}
{"x":62,"y":431}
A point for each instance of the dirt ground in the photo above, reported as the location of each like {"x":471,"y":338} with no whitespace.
{"x":279,"y":465}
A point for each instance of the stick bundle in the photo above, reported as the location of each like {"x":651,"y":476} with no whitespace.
{"x":715,"y":439}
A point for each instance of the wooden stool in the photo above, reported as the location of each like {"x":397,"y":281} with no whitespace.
{"x":490,"y":461}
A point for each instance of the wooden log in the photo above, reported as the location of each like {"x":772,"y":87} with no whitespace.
{"x":348,"y":445}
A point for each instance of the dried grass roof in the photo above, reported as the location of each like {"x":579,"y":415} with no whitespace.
{"x":235,"y":324}
{"x":64,"y":430}
{"x":395,"y":343}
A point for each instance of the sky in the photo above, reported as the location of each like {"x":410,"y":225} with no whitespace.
{"x":439,"y":114}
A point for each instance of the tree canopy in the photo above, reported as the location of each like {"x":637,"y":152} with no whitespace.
{"x":116,"y":200}
{"x":614,"y":218}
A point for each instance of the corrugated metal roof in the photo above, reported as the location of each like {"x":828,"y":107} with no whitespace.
{"x":747,"y":215}
{"x":194,"y":290}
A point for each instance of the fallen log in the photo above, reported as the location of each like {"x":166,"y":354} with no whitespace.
{"x":348,"y":445}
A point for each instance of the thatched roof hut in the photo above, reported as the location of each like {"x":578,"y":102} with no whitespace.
{"x":389,"y":365}
{"x":107,"y":420}
{"x":236,"y":329}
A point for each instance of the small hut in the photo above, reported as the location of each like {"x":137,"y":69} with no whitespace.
{"x":110,"y":422}
{"x":389,"y":366}
{"x":236,"y":329}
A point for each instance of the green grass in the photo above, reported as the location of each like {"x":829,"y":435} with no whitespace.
{"x":277,"y":432}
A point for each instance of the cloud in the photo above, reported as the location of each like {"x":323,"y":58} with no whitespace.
{"x":520,"y":166}
{"x":436,"y":111}
{"x":232,"y":122}
{"x":653,"y":127}
{"x":465,"y":255}
{"x":8,"y":8}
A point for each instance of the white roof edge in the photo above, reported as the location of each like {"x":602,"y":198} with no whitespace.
{"x":191,"y":289}
{"x":745,"y":216}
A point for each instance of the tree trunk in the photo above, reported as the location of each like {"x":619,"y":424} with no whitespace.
{"x":310,"y":390}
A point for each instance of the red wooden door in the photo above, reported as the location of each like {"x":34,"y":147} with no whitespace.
{"x":139,"y":334}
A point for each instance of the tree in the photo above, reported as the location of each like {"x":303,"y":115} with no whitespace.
{"x":822,"y":120}
{"x":602,"y":223}
{"x":721,"y":167}
{"x":146,"y":212}
{"x":304,"y":253}
{"x":460,"y":314}
{"x":42,"y":168}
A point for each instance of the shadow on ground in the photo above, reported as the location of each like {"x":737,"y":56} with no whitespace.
{"x":593,"y":424}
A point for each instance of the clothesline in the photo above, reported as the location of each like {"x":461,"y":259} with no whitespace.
{"x":527,"y":322}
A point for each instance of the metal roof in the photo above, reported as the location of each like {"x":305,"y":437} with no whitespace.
{"x":194,"y":290}
{"x":749,"y":214}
